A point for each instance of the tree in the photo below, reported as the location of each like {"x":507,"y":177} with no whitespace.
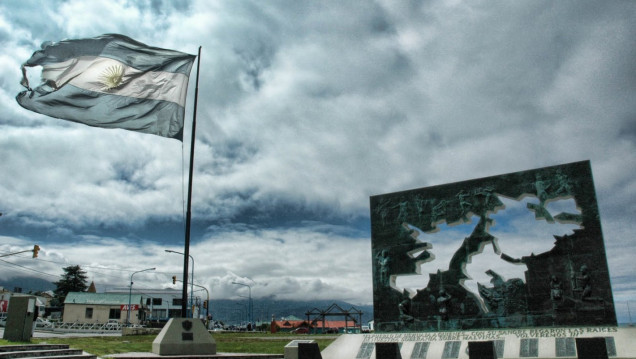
{"x":73,"y":280}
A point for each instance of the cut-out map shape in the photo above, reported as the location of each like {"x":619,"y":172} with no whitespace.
{"x":565,"y":283}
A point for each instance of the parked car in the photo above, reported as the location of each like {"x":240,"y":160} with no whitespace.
{"x":365,"y":329}
{"x":332,"y":331}
{"x":43,"y":323}
{"x":301,"y":330}
{"x":113,"y":324}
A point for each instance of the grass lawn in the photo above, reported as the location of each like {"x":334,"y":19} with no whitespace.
{"x":225,"y":343}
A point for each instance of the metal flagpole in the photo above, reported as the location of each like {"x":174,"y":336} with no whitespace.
{"x":186,"y":257}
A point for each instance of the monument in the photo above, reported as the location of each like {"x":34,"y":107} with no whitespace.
{"x":509,"y":266}
{"x":567,"y":284}
{"x":184,"y":336}
{"x":21,"y":318}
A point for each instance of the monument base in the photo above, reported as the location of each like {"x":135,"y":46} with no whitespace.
{"x":509,"y":343}
{"x":184,"y":336}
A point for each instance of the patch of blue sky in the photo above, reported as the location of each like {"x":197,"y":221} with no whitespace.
{"x":518,"y":233}
{"x":443,"y":244}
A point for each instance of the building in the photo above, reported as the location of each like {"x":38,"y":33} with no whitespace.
{"x":5,"y":297}
{"x":162,"y":304}
{"x":84,"y":307}
{"x":287,"y":325}
{"x":316,"y":326}
{"x":149,"y":306}
{"x":335,"y":326}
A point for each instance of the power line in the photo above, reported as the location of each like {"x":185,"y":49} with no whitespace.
{"x":95,"y":270}
{"x":86,"y":266}
{"x":29,"y":269}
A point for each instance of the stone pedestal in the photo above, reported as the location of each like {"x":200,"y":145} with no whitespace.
{"x":293,"y":349}
{"x":184,"y":336}
{"x":20,"y":319}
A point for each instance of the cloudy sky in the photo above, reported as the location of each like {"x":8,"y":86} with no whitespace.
{"x":306,"y":109}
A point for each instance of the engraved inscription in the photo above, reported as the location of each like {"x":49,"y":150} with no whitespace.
{"x":451,"y":349}
{"x":565,"y":347}
{"x":365,"y":350}
{"x":419,"y":350}
{"x":611,"y":346}
{"x":496,"y":335}
{"x":529,"y":348}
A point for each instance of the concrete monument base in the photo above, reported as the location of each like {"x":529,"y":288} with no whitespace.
{"x":509,"y":343}
{"x":184,"y":336}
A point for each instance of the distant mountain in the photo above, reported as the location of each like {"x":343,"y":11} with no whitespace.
{"x":28,"y":284}
{"x":235,"y":311}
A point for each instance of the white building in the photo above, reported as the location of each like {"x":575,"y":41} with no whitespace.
{"x":162,"y":304}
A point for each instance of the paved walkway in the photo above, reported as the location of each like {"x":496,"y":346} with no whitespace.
{"x":50,"y":334}
{"x":212,"y":356}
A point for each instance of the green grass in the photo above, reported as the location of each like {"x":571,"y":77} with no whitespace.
{"x":225,"y":343}
{"x":262,"y":343}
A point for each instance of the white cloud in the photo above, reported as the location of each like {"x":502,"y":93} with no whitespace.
{"x":307,"y":109}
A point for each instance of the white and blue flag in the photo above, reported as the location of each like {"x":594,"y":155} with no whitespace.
{"x":111,"y":81}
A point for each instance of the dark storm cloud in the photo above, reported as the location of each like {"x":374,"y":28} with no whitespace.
{"x":308,"y":108}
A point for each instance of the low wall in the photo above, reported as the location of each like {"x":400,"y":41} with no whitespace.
{"x":139,"y":331}
{"x":510,"y":343}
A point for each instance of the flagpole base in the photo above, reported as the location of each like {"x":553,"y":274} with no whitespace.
{"x":184,"y":336}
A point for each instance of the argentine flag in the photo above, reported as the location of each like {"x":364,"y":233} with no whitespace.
{"x":111,"y":81}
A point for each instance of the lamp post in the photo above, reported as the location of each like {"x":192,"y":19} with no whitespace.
{"x":191,"y":280}
{"x":250,"y":301}
{"x":207,"y":309}
{"x":130,"y":293}
{"x":207,"y":306}
{"x":247,"y":314}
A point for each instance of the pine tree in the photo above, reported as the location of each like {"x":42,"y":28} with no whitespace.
{"x":74,"y":279}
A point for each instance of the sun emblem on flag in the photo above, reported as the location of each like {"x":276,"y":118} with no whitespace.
{"x":112,"y":77}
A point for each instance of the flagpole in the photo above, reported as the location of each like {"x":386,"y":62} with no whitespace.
{"x":186,"y":252}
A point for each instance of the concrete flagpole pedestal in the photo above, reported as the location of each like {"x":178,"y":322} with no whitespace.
{"x":184,"y":336}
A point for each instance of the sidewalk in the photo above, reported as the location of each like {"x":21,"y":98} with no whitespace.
{"x":212,"y":356}
{"x":51,"y":334}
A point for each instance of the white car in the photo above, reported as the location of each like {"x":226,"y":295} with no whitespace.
{"x":113,"y":324}
{"x":43,"y":323}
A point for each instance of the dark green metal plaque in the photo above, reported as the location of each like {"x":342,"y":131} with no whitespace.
{"x":565,"y":285}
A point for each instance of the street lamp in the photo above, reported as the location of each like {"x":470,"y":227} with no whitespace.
{"x":130,"y":293}
{"x":250,"y":314}
{"x":207,"y":306}
{"x":191,"y":281}
{"x":207,"y":309}
{"x":247,"y":314}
